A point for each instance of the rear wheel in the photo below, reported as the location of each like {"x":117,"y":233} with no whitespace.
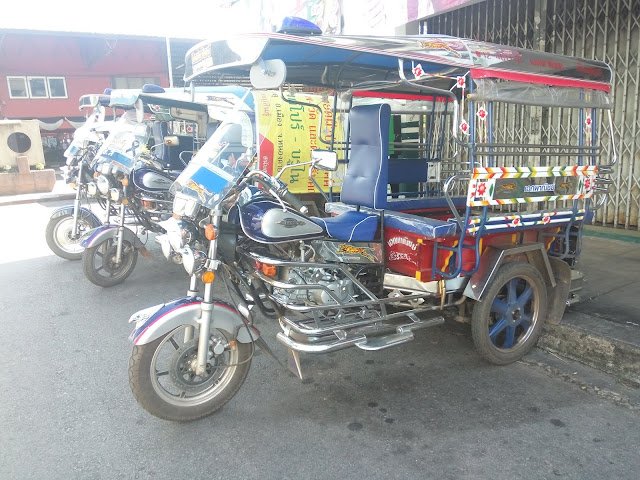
{"x":507,"y":323}
{"x":101,"y":266}
{"x":61,"y":239}
{"x":163,"y":379}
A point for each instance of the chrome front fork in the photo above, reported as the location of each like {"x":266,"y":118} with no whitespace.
{"x":192,"y":292}
{"x":206,"y":306}
{"x":76,"y":202}
{"x":120,"y":236}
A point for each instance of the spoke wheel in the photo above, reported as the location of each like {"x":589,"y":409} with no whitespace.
{"x":507,"y":323}
{"x":101,"y":266}
{"x":164,"y":381}
{"x":60,"y":237}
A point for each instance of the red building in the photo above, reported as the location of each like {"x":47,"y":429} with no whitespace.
{"x":43,"y":74}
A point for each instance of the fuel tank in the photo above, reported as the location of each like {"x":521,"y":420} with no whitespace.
{"x":152,"y":180}
{"x":265,"y":221}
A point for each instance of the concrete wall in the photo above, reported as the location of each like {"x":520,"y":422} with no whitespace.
{"x":31,"y":129}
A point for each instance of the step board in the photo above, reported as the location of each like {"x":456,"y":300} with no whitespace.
{"x":404,"y":334}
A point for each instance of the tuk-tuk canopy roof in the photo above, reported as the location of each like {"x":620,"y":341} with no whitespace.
{"x":196,"y":99}
{"x":435,"y":61}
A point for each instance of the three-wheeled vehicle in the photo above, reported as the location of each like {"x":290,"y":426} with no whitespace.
{"x":471,"y":169}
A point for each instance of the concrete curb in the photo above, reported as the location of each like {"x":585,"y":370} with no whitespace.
{"x":632,"y":236}
{"x":36,"y":197}
{"x":596,"y":349}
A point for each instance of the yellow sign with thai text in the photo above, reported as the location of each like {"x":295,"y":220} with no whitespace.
{"x":289,"y":129}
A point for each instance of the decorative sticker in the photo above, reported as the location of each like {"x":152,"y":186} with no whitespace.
{"x":512,"y":185}
{"x":418,"y":72}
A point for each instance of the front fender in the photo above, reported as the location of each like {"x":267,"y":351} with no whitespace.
{"x":153,"y":322}
{"x":83,"y":213}
{"x":105,"y":232}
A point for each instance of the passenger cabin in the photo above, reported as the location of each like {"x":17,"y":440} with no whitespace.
{"x":484,"y":145}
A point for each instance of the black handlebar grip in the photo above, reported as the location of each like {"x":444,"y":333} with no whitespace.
{"x":295,"y":202}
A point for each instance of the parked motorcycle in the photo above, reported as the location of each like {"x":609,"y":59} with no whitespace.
{"x":138,"y":187}
{"x":67,"y":224}
{"x":191,"y":355}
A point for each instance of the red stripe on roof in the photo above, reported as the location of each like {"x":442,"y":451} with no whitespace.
{"x":539,"y":79}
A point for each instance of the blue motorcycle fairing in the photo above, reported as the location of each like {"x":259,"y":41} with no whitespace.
{"x":104,"y":232}
{"x":154,"y":322}
{"x":83,"y":213}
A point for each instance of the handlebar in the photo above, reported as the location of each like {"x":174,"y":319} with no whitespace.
{"x":294,"y":201}
{"x":277,"y":188}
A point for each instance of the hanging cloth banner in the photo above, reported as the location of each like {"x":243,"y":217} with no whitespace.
{"x":75,"y":124}
{"x":50,"y":126}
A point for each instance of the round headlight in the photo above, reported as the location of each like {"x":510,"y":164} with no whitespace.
{"x":104,"y":168}
{"x":193,"y":261}
{"x":184,"y":206}
{"x":102,"y":183}
{"x":115,"y":194}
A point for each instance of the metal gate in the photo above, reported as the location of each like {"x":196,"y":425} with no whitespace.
{"x":607,"y":30}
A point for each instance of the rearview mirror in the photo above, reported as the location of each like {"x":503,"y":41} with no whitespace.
{"x":171,"y":140}
{"x":324,"y":160}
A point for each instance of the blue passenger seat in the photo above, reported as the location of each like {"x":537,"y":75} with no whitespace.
{"x":365,"y":181}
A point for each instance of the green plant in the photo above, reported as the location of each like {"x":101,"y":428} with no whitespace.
{"x":39,"y":166}
{"x":8,"y":169}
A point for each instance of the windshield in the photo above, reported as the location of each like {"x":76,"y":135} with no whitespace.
{"x":86,"y":134}
{"x":219,"y":163}
{"x":127,"y":140}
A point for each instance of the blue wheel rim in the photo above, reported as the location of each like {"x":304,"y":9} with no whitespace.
{"x":512,"y":314}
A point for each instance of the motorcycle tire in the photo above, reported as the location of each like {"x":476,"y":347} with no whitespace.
{"x":99,"y":266}
{"x":59,"y":239}
{"x":151,"y":383}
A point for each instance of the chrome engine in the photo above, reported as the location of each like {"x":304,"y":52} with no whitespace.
{"x":332,"y":289}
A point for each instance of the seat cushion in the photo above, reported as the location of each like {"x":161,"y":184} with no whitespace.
{"x":426,"y":227}
{"x":351,"y":226}
{"x":424,"y":203}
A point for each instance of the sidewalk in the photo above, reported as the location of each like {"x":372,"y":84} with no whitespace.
{"x":61,"y":191}
{"x":602,"y":330}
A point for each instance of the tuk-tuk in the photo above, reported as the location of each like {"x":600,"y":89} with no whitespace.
{"x":473,"y":206}
{"x":470,"y":171}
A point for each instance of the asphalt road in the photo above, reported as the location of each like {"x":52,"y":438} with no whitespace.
{"x":427,"y":409}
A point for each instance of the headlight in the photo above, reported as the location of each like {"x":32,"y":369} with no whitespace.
{"x":193,"y":261}
{"x":115,"y":194}
{"x":103,"y":185}
{"x":184,"y":206}
{"x":92,"y":189}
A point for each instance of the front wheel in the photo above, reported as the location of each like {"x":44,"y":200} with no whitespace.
{"x":163,"y":379}
{"x":60,"y":235}
{"x":507,"y":322}
{"x":101,"y":266}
